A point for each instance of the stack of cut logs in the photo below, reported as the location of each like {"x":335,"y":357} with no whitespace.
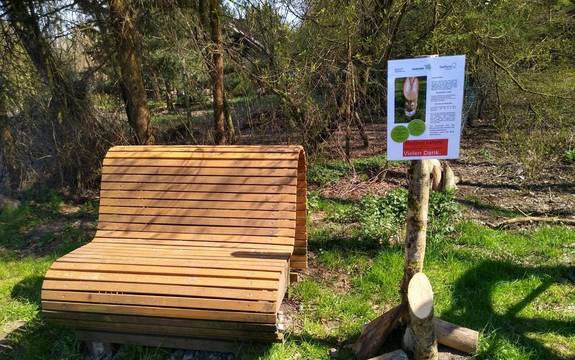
{"x":422,"y":333}
{"x":415,"y":313}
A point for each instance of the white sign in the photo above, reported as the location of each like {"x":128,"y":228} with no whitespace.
{"x":424,"y":105}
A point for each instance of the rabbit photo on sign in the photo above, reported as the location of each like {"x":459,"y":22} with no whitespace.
{"x":411,"y":94}
{"x":410,"y":99}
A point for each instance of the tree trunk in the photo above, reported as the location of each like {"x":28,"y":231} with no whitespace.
{"x":168,"y":95}
{"x":217,"y":73}
{"x":230,"y":129}
{"x":418,"y":203}
{"x":348,"y":100}
{"x":69,"y":106}
{"x":130,"y":70}
{"x":362,"y":131}
{"x":155,"y":86}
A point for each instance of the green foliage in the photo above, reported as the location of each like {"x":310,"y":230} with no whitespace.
{"x":569,"y":156}
{"x":520,"y":65}
{"x":324,"y":173}
{"x":384,"y":217}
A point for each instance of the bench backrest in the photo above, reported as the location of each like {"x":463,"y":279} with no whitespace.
{"x":237,"y":196}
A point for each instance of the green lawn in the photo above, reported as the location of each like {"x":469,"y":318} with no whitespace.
{"x":516,"y":287}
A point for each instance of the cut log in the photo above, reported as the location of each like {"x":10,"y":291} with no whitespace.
{"x":448,"y":179}
{"x":420,"y":337}
{"x":435,"y":175}
{"x":456,"y":337}
{"x":375,"y":333}
{"x":394,"y":355}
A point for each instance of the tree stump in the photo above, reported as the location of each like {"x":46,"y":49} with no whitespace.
{"x":420,"y":335}
{"x":448,"y":179}
{"x":436,"y":175}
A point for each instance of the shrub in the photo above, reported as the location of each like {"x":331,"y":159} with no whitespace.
{"x":384,"y":217}
{"x":324,"y":173}
{"x":569,"y":156}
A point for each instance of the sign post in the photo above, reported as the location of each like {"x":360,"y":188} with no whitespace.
{"x":424,"y":108}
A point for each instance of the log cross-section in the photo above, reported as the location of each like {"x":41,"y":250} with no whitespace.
{"x":193,"y":243}
{"x":420,"y":337}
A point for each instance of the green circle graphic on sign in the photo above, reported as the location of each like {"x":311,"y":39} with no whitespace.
{"x":399,"y":133}
{"x":416,"y":127}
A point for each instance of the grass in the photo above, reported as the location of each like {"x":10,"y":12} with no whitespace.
{"x":516,"y":287}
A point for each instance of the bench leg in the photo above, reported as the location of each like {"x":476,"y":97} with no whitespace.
{"x":99,"y":350}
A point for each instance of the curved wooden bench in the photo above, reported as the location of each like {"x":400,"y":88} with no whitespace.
{"x":193,"y":242}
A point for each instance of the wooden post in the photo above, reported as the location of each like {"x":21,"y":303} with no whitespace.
{"x":375,"y":333}
{"x":418,"y":206}
{"x":420,"y":337}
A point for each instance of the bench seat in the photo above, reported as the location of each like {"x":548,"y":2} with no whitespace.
{"x":178,"y":258}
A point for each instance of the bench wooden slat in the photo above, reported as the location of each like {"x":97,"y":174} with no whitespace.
{"x":286,"y":240}
{"x":255,"y":173}
{"x":205,"y":196}
{"x":190,"y":229}
{"x":214,"y":281}
{"x":206,"y":213}
{"x":160,"y":289}
{"x":259,"y":261}
{"x":204,"y":155}
{"x":169,"y":270}
{"x":191,"y":243}
{"x":201,"y":179}
{"x":168,"y":261}
{"x":187,"y":323}
{"x":229,"y":164}
{"x":197,"y":204}
{"x":209,"y":148}
{"x":159,"y":301}
{"x":191,"y":250}
{"x":161,"y":312}
{"x":198,"y":221}
{"x":169,"y":330}
{"x":207,"y":188}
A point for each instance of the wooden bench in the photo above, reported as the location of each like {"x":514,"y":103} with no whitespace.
{"x":193,"y":249}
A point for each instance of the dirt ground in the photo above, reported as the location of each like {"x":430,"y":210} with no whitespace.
{"x":492,"y":184}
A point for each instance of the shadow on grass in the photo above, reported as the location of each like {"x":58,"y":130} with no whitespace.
{"x":473,"y":306}
{"x":28,"y":290}
{"x":499,"y":211}
{"x":38,"y":339}
{"x":42,"y":229}
{"x":326,"y":240}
